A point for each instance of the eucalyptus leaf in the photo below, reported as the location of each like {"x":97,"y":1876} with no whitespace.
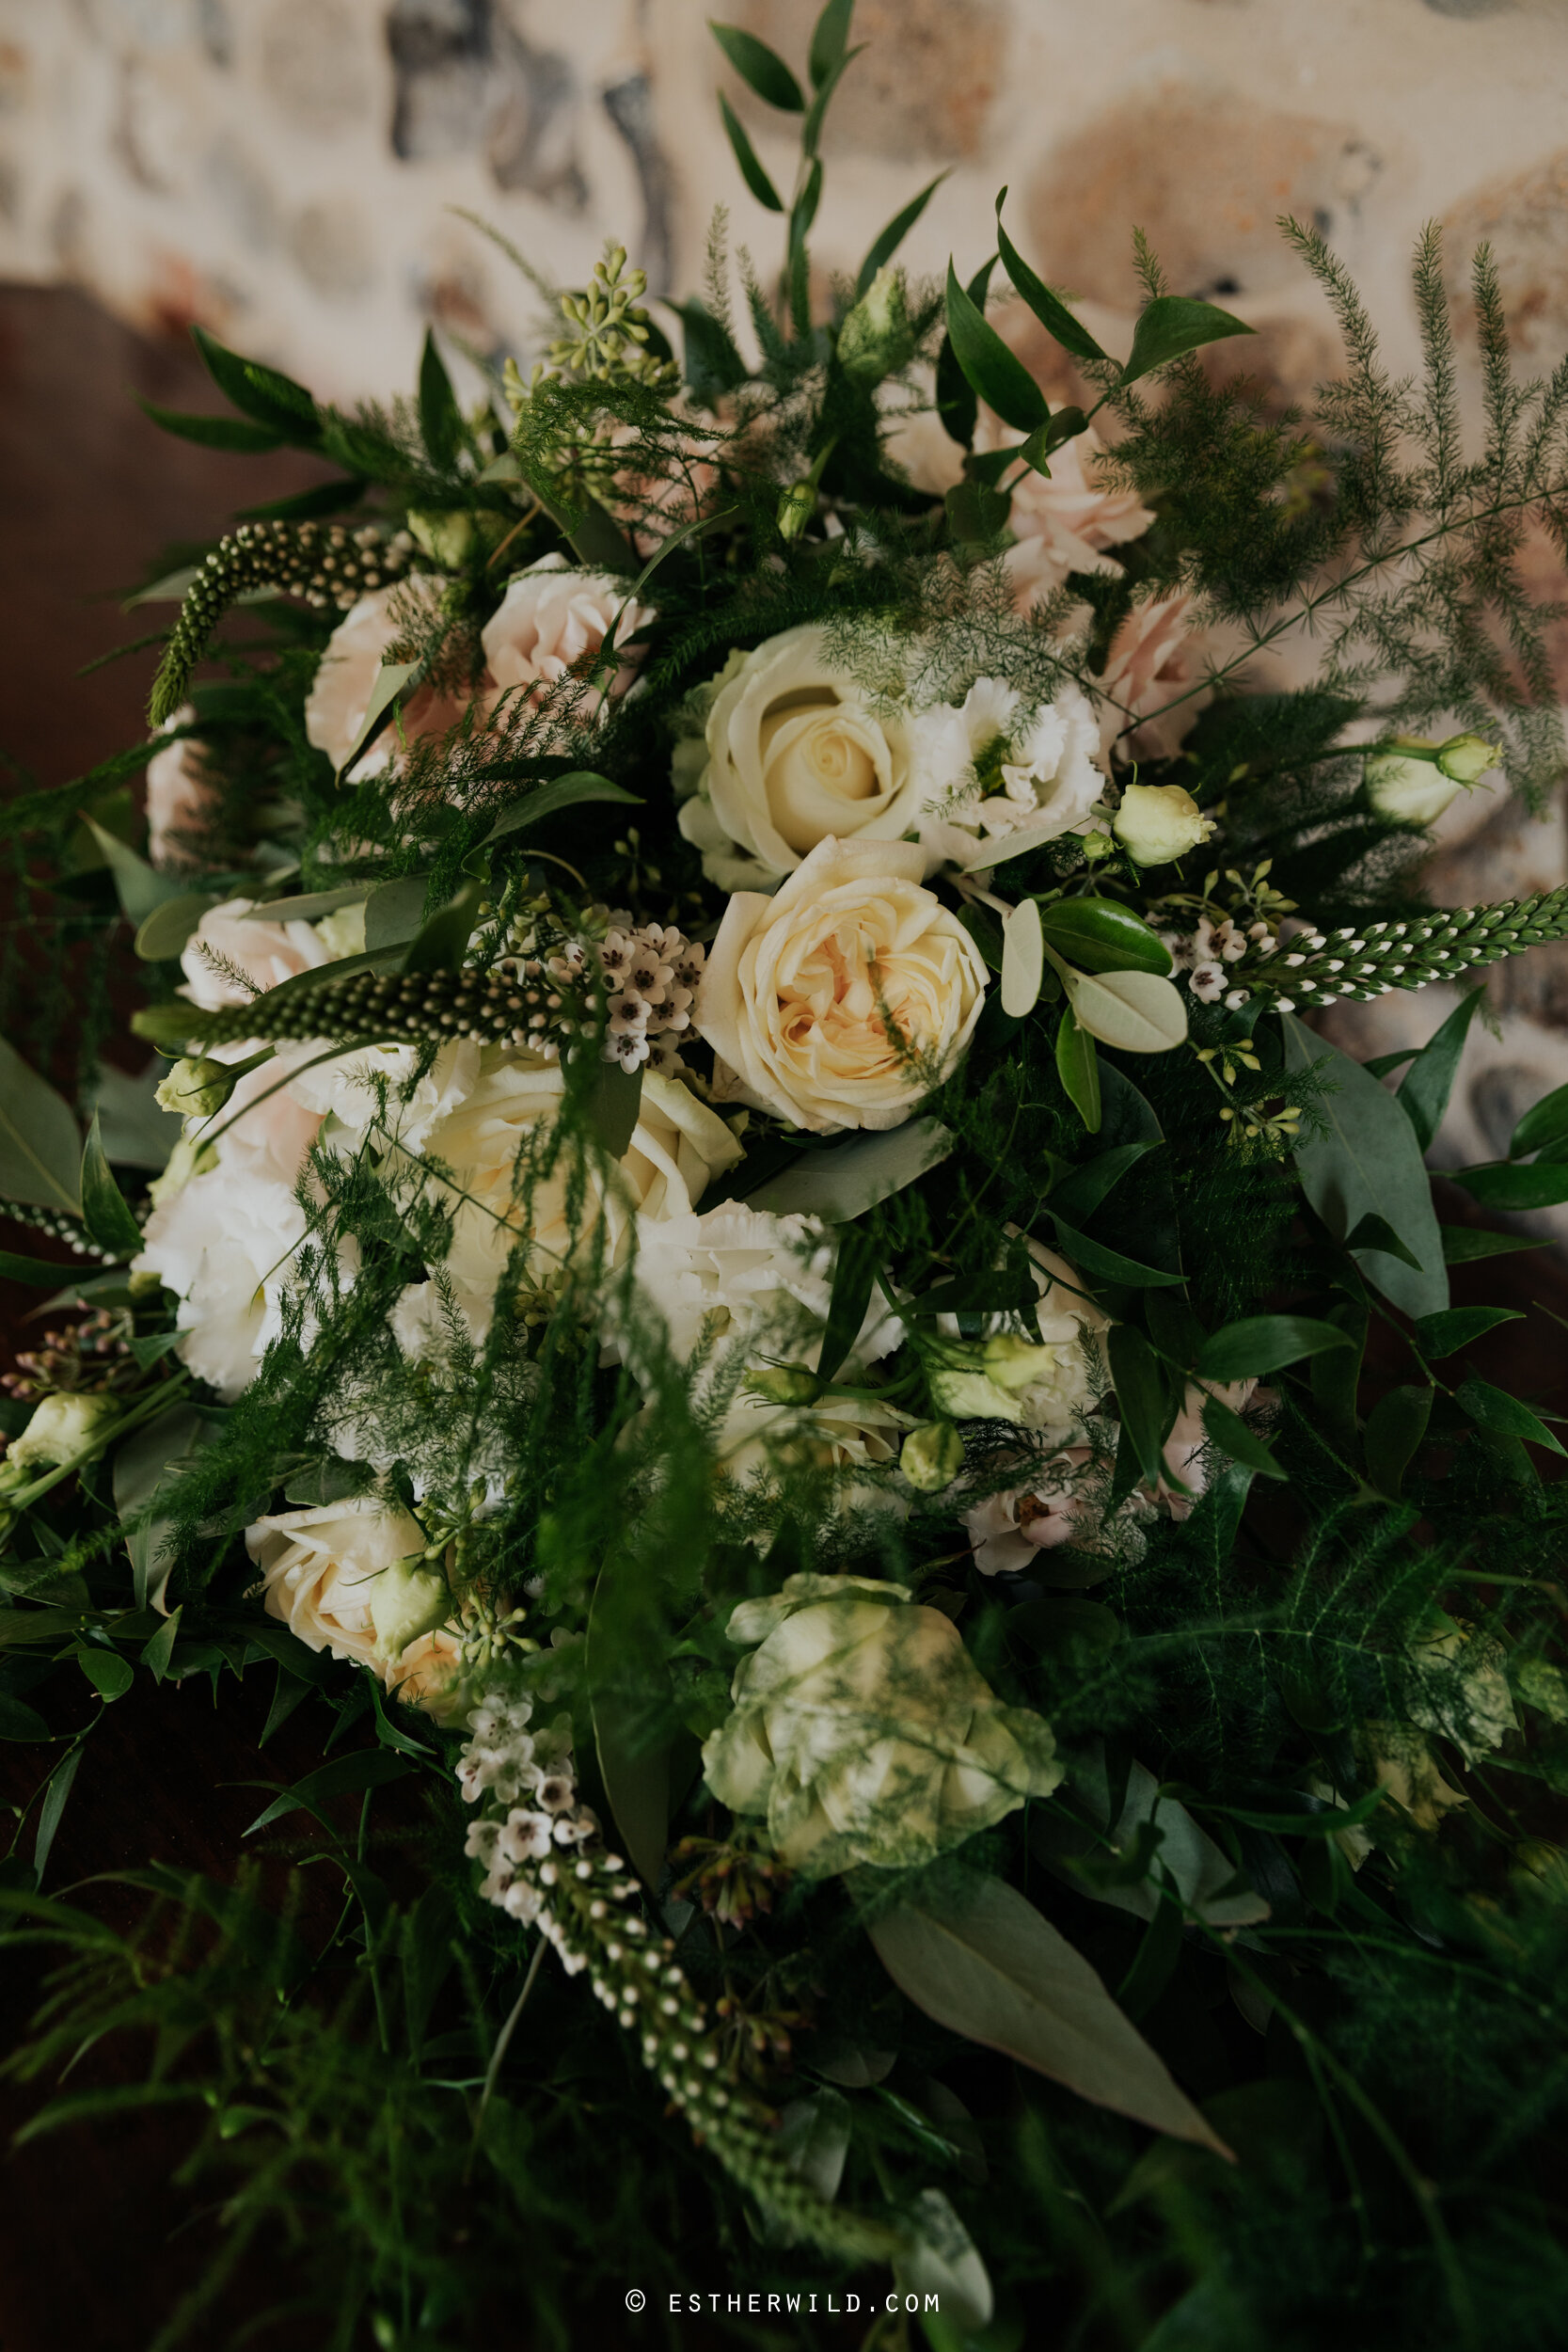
{"x":612,"y":1100}
{"x":1174,"y":324}
{"x":392,"y":680}
{"x":146,"y":1462}
{"x":990,"y":1968}
{"x":442,"y":940}
{"x":628,"y":1689}
{"x":41,"y":1149}
{"x":842,"y":1183}
{"x":814,"y":2140}
{"x":395,"y":913}
{"x":1369,"y":1162}
{"x":939,"y":2264}
{"x":308,"y":906}
{"x":140,"y":887}
{"x":1137,"y":1012}
{"x":1203,"y":1874}
{"x":1375,"y":1232}
{"x":1022,"y":958}
{"x":161,"y":935}
{"x":996,"y":374}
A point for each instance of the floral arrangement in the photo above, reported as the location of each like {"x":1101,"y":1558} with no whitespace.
{"x":742,"y":1271}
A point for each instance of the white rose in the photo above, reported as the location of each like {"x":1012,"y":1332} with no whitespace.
{"x":793,"y":993}
{"x":677,"y":1147}
{"x":796,"y":753}
{"x":740,"y":1277}
{"x":320,"y":1568}
{"x":1153,"y":675}
{"x":864,"y":1732}
{"x":338,"y":703}
{"x":841,"y":1434}
{"x":551,"y":619}
{"x":1158,"y":822}
{"x":1412,"y":781}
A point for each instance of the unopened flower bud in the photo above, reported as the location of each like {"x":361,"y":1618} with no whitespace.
{"x":797,"y":506}
{"x":447,"y":539}
{"x":932,"y":1457}
{"x":196,"y":1088}
{"x":876,"y":339}
{"x":1467,"y":758}
{"x":405,"y":1601}
{"x":1405,"y":784}
{"x":62,"y":1426}
{"x":785,"y":1384}
{"x":1158,"y":822}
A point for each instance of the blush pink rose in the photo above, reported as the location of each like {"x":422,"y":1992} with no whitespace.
{"x":1189,"y":1440}
{"x":264,"y":952}
{"x":1062,"y":525}
{"x":1155,"y":661}
{"x":551,"y":619}
{"x":180,"y":798}
{"x":339,"y":702}
{"x":1008,"y":1530}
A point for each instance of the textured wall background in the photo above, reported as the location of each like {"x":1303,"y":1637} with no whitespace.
{"x":284,"y":170}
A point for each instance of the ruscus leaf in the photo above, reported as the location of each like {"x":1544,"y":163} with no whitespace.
{"x":995,"y":373}
{"x":1369,"y":1160}
{"x":760,"y":68}
{"x":1174,"y":324}
{"x":1051,"y":312}
{"x":752,"y":170}
{"x":1263,"y":1343}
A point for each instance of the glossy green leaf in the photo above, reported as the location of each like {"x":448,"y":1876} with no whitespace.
{"x":760,"y":68}
{"x":830,"y":40}
{"x":1495,"y":1409}
{"x":996,"y":374}
{"x":1369,"y":1160}
{"x":1441,"y":1335}
{"x":1051,"y":312}
{"x":440,"y":418}
{"x":40,"y":1149}
{"x":1230,"y":1433}
{"x":52,"y":1811}
{"x":38,"y":1273}
{"x":752,"y":170}
{"x":1098,"y":936}
{"x":1078,"y":1068}
{"x":563,"y":792}
{"x":1022,"y":958}
{"x":260,"y":391}
{"x":1260,"y":1345}
{"x":145,"y":1465}
{"x":612,"y":1100}
{"x":157,"y":1652}
{"x":19,"y":1721}
{"x":442,"y":940}
{"x":1423,"y":1094}
{"x":992,"y":1969}
{"x":1037,"y":448}
{"x":628,"y":1689}
{"x":1142,"y":1397}
{"x":110,"y":1675}
{"x":306,"y":506}
{"x":1174,"y":324}
{"x":1544,"y":1125}
{"x":884,"y":246}
{"x":1375,"y":1232}
{"x":842,"y":1183}
{"x":392,"y":681}
{"x":1094,"y":1258}
{"x":1515,"y":1185}
{"x":816,"y":113}
{"x":1136,"y":1013}
{"x":230,"y":433}
{"x":940,"y":2266}
{"x":1336,"y":1373}
{"x":1395,"y":1427}
{"x":1463,"y":1243}
{"x":854,"y":1279}
{"x":344,"y":1777}
{"x":1083,"y":1190}
{"x":140,"y":887}
{"x":814,"y":2140}
{"x":104,"y":1211}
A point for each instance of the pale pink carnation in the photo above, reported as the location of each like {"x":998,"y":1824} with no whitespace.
{"x":1062,"y":525}
{"x":339,"y":702}
{"x":551,"y":619}
{"x":1156,"y":659}
{"x":179,"y":797}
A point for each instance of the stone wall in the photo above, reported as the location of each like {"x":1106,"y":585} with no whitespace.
{"x":292,"y":173}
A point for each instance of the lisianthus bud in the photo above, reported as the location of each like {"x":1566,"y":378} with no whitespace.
{"x":1467,"y":758}
{"x":63,"y":1426}
{"x":785,"y":1384}
{"x":932,"y":1457}
{"x":447,"y":539}
{"x":1158,"y":823}
{"x":876,"y":340}
{"x":1405,"y":784}
{"x":405,"y":1601}
{"x":797,"y":505}
{"x":194,"y":1090}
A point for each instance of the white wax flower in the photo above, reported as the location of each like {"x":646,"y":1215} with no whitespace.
{"x":796,"y":985}
{"x":863,"y":1732}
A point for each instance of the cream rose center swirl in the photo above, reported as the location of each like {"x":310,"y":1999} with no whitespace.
{"x":815,"y":763}
{"x":832,"y":1000}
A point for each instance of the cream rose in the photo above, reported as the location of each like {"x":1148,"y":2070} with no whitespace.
{"x":350,"y":1577}
{"x":677,"y":1148}
{"x":793,"y":993}
{"x":1152,"y":677}
{"x":338,"y":703}
{"x":796,"y":754}
{"x":863,"y":1731}
{"x":551,"y":619}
